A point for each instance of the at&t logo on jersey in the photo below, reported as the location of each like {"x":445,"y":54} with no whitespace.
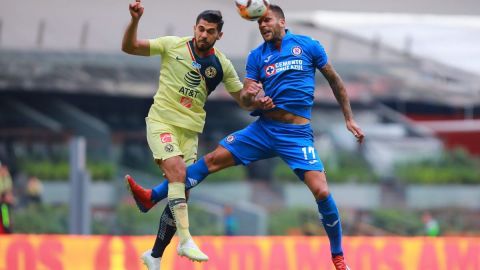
{"x":192,"y":80}
{"x":282,"y":66}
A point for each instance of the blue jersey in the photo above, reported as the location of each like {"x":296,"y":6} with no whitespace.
{"x":288,"y":73}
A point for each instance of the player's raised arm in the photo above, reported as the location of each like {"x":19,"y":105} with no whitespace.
{"x":130,"y":43}
{"x":340,"y":93}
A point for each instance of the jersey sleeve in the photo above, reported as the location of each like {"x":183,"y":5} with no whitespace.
{"x":252,"y":71}
{"x":159,"y":46}
{"x":230,"y":77}
{"x":320,"y":58}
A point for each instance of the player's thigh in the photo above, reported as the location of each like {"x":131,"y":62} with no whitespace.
{"x":188,"y":145}
{"x":163,"y":140}
{"x":248,"y":145}
{"x":219,"y":159}
{"x":301,"y":156}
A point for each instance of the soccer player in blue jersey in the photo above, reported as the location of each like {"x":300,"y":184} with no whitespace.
{"x":285,"y":64}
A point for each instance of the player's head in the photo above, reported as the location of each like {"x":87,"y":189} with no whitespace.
{"x":208,"y":29}
{"x":272,"y":24}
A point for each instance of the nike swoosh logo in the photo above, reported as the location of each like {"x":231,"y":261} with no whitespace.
{"x":333,"y":223}
{"x":179,"y":58}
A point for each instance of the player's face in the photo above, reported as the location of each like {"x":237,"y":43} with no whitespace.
{"x":271,"y":27}
{"x":206,"y":34}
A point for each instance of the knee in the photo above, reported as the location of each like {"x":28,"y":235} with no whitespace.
{"x":317,"y":183}
{"x":320,"y":192}
{"x":175,"y":173}
{"x":212,"y":161}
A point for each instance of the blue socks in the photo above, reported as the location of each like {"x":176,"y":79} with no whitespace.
{"x":331,"y":222}
{"x":160,"y":192}
{"x":195,"y":174}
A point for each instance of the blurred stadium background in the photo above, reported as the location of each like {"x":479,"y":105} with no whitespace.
{"x":72,"y":110}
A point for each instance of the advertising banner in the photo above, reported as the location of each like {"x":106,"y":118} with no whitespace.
{"x":58,"y":252}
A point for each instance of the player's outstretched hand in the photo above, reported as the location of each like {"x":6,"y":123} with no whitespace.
{"x":355,"y":130}
{"x":265,"y":103}
{"x":136,"y":9}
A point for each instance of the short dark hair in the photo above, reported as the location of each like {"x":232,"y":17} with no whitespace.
{"x":211,"y":16}
{"x":277,"y":10}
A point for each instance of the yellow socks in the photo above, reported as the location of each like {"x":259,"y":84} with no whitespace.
{"x":178,"y":205}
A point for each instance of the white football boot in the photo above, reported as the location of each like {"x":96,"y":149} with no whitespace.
{"x":190,"y":250}
{"x":150,"y":262}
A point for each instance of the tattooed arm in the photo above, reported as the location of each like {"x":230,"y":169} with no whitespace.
{"x":340,"y":92}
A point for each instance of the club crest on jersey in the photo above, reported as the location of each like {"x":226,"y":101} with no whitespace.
{"x":166,"y":138}
{"x":230,"y":139}
{"x":169,"y":148}
{"x":270,"y":70}
{"x":297,"y":50}
{"x":210,"y":72}
{"x":196,"y":65}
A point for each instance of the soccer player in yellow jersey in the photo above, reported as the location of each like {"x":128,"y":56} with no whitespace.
{"x":191,"y":69}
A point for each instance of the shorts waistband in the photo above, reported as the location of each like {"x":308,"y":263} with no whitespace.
{"x":269,"y":121}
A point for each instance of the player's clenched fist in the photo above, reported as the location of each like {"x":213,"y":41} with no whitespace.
{"x":265,"y":103}
{"x":253,"y":89}
{"x":136,"y":9}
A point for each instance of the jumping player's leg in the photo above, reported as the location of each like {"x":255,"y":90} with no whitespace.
{"x":316,"y":181}
{"x":295,"y":145}
{"x":242,"y":147}
{"x":147,"y":198}
{"x":166,"y":231}
{"x":217,"y":160}
{"x":168,"y":147}
{"x":309,"y":168}
{"x":174,"y":170}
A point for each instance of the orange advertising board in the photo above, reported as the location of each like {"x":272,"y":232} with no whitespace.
{"x":57,"y":252}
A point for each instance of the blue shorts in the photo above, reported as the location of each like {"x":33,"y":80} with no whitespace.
{"x":265,"y":138}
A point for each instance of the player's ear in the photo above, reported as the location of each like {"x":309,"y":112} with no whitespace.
{"x":220,"y":35}
{"x":282,"y":23}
